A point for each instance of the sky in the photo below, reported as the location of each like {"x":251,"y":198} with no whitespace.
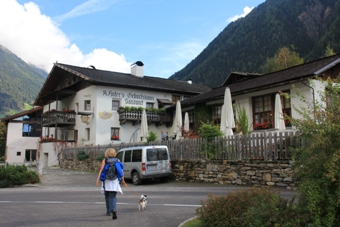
{"x":165,"y":35}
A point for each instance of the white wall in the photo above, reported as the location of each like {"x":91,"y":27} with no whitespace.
{"x":245,"y":100}
{"x":126,"y":97}
{"x":17,"y":143}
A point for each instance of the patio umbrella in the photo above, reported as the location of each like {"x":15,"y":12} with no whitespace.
{"x":223,"y":125}
{"x":144,"y":133}
{"x":178,"y":120}
{"x":186,"y":121}
{"x":228,"y":105}
{"x":278,"y":114}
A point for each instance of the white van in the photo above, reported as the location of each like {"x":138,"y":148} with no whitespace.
{"x":145,"y":162}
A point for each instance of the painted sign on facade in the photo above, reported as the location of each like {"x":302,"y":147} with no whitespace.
{"x":130,"y":98}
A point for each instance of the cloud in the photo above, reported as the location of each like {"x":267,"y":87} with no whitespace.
{"x":246,"y":10}
{"x":87,"y":7}
{"x":37,"y":40}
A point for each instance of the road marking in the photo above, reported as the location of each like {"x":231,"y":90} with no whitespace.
{"x":180,"y":205}
{"x":68,"y":202}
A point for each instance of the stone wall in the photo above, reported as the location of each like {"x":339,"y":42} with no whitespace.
{"x":247,"y":173}
{"x":86,"y":165}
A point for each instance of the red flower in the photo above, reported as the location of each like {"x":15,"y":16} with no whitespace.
{"x":115,"y":137}
{"x":264,"y":125}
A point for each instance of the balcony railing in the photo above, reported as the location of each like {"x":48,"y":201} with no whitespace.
{"x":60,"y":118}
{"x":136,"y":117}
{"x":61,"y":135}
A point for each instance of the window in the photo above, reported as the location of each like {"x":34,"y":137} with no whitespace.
{"x":87,"y":105}
{"x":137,"y":156}
{"x":264,"y":107}
{"x":26,"y":130}
{"x":156,"y":154}
{"x":18,"y":153}
{"x":263,"y":111}
{"x":187,"y":97}
{"x":120,"y":155}
{"x":87,"y":133}
{"x":127,"y":157}
{"x":149,"y":105}
{"x":115,"y":104}
{"x":31,"y":155}
{"x":114,"y":133}
{"x":216,"y":114}
{"x":175,"y":98}
{"x":33,"y":129}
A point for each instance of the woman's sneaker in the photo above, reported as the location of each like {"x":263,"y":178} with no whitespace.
{"x":114,"y":214}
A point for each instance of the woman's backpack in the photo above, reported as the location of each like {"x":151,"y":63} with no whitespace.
{"x":109,"y":172}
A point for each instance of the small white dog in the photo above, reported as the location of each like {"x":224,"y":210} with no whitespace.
{"x":142,"y":202}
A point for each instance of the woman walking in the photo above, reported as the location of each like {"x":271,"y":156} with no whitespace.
{"x":111,"y":187}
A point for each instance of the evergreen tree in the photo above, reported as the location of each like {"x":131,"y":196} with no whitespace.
{"x":284,"y":58}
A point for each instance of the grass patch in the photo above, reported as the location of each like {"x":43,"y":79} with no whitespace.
{"x":193,"y":223}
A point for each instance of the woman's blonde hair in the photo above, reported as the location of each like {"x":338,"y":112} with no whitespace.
{"x":110,"y":153}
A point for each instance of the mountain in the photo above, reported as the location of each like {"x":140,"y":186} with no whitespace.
{"x":244,"y":45}
{"x":19,"y":83}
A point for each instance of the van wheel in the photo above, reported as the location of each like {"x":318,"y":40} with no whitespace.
{"x":136,"y":179}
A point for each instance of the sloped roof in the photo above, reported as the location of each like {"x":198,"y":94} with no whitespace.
{"x":110,"y":78}
{"x":274,"y":79}
{"x":240,"y":76}
{"x":21,"y":114}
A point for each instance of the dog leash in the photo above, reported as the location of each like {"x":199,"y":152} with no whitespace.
{"x":131,"y":189}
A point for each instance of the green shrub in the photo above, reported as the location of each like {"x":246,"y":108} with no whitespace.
{"x":11,"y":175}
{"x":209,"y":132}
{"x":100,"y":158}
{"x":82,"y":156}
{"x":251,"y":208}
{"x":317,"y":161}
{"x":152,"y":137}
{"x":242,"y":121}
{"x":127,"y":108}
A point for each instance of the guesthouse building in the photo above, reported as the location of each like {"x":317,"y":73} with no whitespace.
{"x":86,"y":106}
{"x":255,"y":93}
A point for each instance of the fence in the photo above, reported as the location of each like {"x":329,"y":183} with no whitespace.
{"x":263,"y":146}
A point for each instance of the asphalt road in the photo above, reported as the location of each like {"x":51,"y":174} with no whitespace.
{"x":70,"y":198}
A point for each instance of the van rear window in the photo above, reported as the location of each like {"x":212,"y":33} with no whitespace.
{"x":154,"y":154}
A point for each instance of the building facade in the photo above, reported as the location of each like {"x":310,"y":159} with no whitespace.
{"x":23,"y":133}
{"x":89,"y":107}
{"x":256,"y":94}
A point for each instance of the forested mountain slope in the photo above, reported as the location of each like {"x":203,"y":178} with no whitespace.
{"x":244,"y":45}
{"x":19,"y":83}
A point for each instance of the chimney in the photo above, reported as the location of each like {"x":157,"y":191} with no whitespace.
{"x":137,"y":69}
{"x":190,"y":81}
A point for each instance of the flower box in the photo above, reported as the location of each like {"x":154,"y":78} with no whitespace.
{"x":114,"y":137}
{"x":265,"y":125}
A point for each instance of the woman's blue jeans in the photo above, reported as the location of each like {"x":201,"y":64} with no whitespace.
{"x":111,"y":201}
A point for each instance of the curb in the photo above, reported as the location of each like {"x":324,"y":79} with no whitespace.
{"x":183,"y":223}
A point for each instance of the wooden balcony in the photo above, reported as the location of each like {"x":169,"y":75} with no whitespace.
{"x":136,"y":117}
{"x":59,"y":118}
